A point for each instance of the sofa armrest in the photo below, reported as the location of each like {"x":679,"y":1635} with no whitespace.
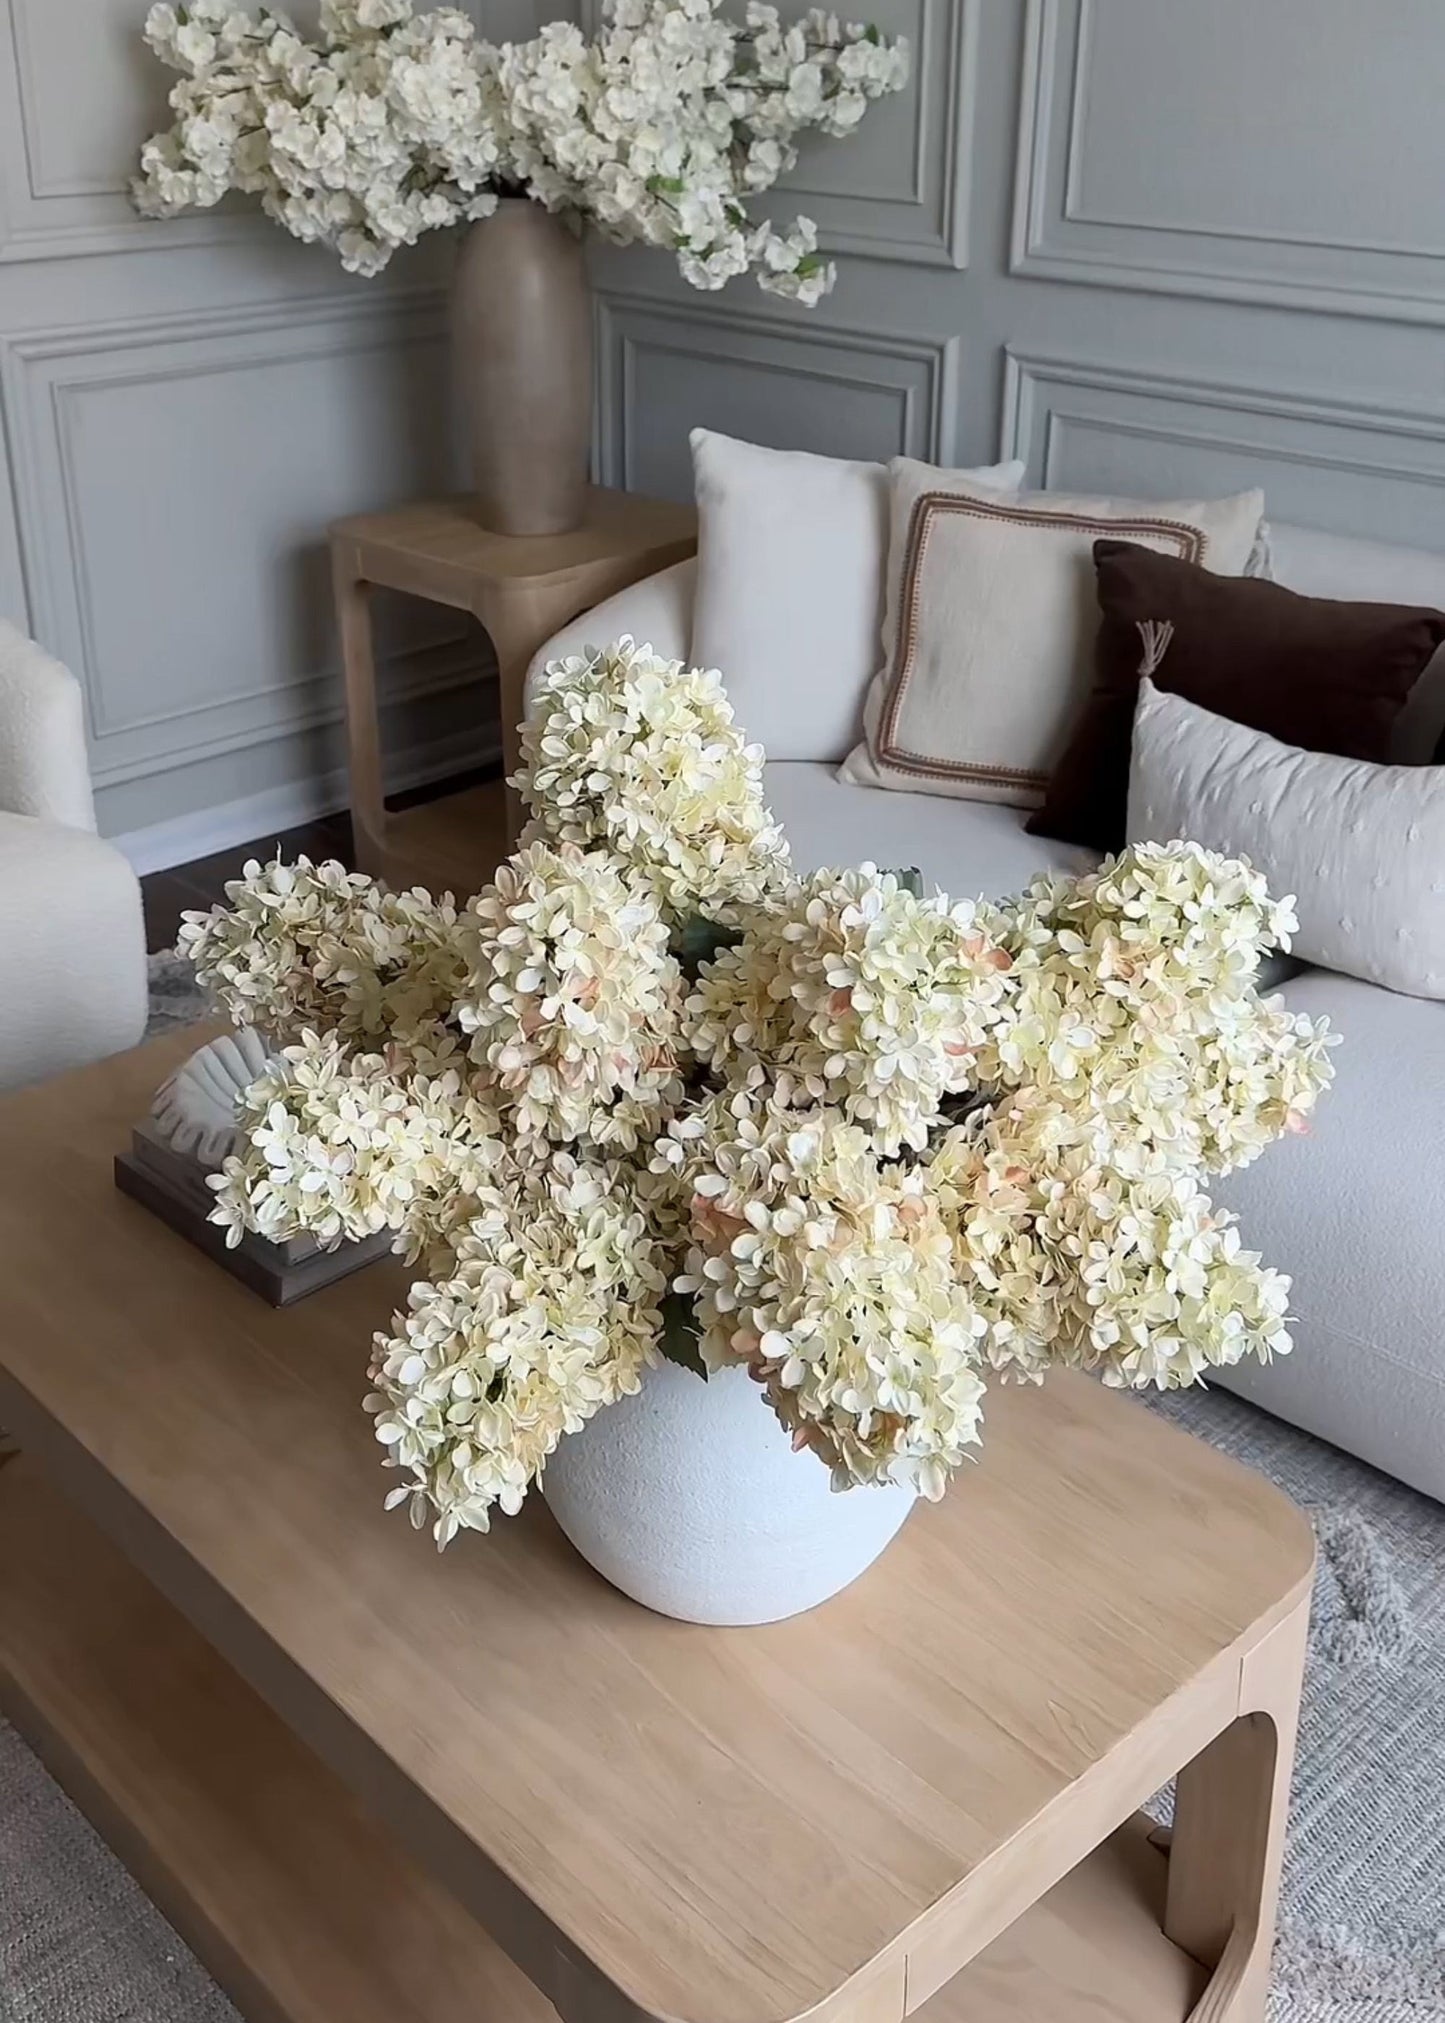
{"x":43,"y":766}
{"x":657,"y":612}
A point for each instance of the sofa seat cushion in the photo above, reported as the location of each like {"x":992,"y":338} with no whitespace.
{"x":971,"y":849}
{"x":1355,"y":1212}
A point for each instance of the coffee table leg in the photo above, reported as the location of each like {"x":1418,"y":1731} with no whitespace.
{"x":1230,"y":1812}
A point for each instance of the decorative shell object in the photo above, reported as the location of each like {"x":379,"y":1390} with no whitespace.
{"x":194,"y":1110}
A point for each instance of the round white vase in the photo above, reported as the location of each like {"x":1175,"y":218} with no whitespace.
{"x":690,"y":1498}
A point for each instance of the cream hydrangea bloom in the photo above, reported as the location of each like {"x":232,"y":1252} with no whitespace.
{"x":1107,"y":1258}
{"x":1134,"y":1001}
{"x":885,"y":1147}
{"x":572,"y":999}
{"x":314,"y":945}
{"x":831,"y":1277}
{"x":342,"y":1145}
{"x":869,"y":997}
{"x":551,"y":1310}
{"x":626,"y":752}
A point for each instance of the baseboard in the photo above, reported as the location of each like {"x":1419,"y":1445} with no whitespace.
{"x":183,"y":838}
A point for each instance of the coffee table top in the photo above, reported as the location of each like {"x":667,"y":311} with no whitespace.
{"x":820,"y":1818}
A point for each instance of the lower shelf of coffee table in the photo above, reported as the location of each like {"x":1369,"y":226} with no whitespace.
{"x":306,"y":1910}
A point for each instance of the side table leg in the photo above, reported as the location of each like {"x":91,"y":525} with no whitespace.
{"x":1230,"y":1810}
{"x":517,"y":618}
{"x":363,"y":735}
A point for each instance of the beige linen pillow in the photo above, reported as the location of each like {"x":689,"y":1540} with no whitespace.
{"x":990,"y":625}
{"x":791,"y":554}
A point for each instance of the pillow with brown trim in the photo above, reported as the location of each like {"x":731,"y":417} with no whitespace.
{"x":989,"y":630}
{"x":1321,"y":673}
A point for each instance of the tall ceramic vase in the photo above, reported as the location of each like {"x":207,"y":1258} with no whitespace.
{"x":522,"y":343}
{"x":691,"y":1498}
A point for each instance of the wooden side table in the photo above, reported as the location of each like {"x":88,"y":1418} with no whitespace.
{"x":520,"y":589}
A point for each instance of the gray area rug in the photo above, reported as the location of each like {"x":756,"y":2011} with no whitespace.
{"x":176,"y":998}
{"x":1362,"y":1926}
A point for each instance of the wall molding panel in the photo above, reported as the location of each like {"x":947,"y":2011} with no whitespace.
{"x":1060,"y":234}
{"x":924,"y":221}
{"x":78,"y":399}
{"x":1347,"y":466}
{"x":49,"y":210}
{"x":179,"y":839}
{"x":900,"y":389}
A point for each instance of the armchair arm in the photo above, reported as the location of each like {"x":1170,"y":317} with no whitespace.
{"x":657,"y":612}
{"x":43,"y":767}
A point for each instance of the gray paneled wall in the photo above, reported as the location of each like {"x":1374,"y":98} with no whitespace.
{"x":1151,"y":246}
{"x":185,"y":406}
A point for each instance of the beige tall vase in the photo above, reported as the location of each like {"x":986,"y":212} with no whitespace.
{"x":522,"y":339}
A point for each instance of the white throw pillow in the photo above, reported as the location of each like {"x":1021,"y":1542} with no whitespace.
{"x":991,"y":621}
{"x":1361,"y":847}
{"x":790,"y":558}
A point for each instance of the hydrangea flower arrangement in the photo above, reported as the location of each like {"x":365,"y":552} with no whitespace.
{"x":650,"y":1093}
{"x":661,"y":128}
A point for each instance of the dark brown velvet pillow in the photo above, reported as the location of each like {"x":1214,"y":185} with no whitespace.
{"x":1321,"y":673}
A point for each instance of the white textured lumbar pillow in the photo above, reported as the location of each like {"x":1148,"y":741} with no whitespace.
{"x":1361,"y":847}
{"x":790,"y":560}
{"x":991,"y":623}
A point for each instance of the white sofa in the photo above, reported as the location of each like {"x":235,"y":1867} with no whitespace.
{"x":1356,"y":1211}
{"x":72,"y":943}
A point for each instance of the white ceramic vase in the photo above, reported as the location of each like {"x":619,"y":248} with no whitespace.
{"x":690,"y":1498}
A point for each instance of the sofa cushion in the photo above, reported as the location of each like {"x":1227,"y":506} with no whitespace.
{"x":1355,"y":1212}
{"x":990,"y":626}
{"x":1321,"y":673}
{"x":790,"y":556}
{"x":1360,"y":848}
{"x":969,"y":848}
{"x":1339,"y":565}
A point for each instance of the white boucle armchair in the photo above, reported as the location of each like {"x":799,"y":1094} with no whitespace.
{"x":72,"y":942}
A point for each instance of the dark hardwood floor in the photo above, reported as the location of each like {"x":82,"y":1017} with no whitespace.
{"x":169,"y":894}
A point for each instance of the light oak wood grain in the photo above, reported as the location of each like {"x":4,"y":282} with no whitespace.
{"x":308,"y":1911}
{"x":824,"y":1818}
{"x":305,"y":1908}
{"x":521,"y":589}
{"x":451,"y":845}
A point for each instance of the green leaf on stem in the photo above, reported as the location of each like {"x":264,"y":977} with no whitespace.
{"x":698,"y":940}
{"x":680,"y":1333}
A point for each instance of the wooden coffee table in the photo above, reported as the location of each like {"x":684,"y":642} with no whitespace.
{"x":368,"y":1782}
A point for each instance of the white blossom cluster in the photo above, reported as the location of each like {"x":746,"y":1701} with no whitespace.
{"x":1078,"y":1255}
{"x":866,"y":995}
{"x":663,"y":126}
{"x":830,"y":1274}
{"x":639,"y":757}
{"x":660,"y":128}
{"x":1134,"y":1003}
{"x":316,"y":946}
{"x":364,"y":141}
{"x":879,"y":1148}
{"x":340,"y":1145}
{"x":573,"y":1000}
{"x":550,"y":1309}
